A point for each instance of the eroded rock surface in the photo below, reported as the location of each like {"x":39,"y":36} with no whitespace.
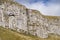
{"x":17,"y":17}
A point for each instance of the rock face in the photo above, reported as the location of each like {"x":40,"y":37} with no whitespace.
{"x":17,"y":17}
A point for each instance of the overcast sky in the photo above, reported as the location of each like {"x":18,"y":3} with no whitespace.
{"x":47,"y":7}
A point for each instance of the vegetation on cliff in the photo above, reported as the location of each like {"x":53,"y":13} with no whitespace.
{"x":7,"y":34}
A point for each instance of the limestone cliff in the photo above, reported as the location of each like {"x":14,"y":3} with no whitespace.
{"x":17,"y":17}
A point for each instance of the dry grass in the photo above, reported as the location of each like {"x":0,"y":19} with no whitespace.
{"x":6,"y":34}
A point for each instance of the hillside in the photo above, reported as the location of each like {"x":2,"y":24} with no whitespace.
{"x":17,"y":17}
{"x":7,"y":34}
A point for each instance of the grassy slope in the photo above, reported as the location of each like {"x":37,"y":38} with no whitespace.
{"x":6,"y":34}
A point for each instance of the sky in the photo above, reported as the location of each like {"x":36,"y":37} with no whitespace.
{"x":46,"y":7}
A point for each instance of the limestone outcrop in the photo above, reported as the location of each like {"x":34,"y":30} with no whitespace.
{"x":17,"y":17}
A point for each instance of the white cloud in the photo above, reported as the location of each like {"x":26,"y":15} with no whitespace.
{"x":51,"y":8}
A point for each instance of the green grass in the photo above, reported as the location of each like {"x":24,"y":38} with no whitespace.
{"x":7,"y":34}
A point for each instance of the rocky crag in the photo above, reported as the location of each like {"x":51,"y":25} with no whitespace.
{"x":17,"y":17}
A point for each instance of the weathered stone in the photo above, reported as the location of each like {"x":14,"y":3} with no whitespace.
{"x":17,"y":17}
